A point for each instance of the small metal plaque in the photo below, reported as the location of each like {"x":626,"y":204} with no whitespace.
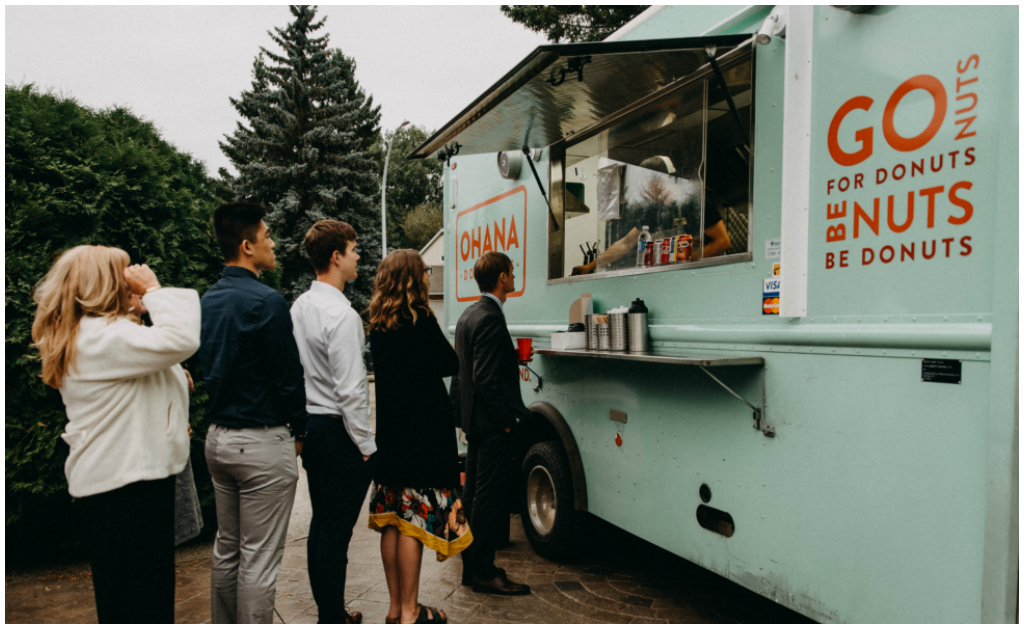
{"x":617,"y":416}
{"x":940,"y":370}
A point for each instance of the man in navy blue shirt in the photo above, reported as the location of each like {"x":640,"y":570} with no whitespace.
{"x":257,"y":411}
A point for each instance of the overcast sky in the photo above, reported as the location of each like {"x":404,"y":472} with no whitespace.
{"x":177,"y":66}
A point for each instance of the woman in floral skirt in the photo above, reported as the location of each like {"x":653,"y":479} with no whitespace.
{"x":415,"y":501}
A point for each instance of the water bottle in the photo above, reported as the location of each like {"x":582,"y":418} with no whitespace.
{"x":641,"y":246}
{"x":637,"y":322}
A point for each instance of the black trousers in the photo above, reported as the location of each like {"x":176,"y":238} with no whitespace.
{"x":338,"y":480}
{"x":489,"y":476}
{"x":130,"y":533}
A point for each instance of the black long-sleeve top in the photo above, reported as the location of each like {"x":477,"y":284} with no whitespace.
{"x":250,"y":362}
{"x":415,"y":428}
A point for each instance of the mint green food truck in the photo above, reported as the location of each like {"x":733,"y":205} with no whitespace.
{"x":818,"y":209}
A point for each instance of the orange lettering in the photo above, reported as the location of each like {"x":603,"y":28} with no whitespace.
{"x":487,"y":239}
{"x":966,"y":122}
{"x":920,"y":82}
{"x":890,"y":219}
{"x":973,"y":104}
{"x":963,"y":204}
{"x":864,"y":136}
{"x":930,"y":193}
{"x":513,"y":237}
{"x":832,"y":214}
{"x":499,"y":236}
{"x":859,"y":213}
{"x":964,"y":66}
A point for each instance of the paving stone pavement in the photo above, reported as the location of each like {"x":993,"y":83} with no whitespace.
{"x":618,"y":579}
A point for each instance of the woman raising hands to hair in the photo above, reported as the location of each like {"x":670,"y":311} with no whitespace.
{"x":126,"y":399}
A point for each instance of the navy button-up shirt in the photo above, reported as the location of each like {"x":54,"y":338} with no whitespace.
{"x":250,"y":362}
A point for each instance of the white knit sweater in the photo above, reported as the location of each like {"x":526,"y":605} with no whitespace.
{"x":127,"y":396}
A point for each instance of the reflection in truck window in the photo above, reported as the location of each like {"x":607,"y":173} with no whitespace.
{"x":680,"y":166}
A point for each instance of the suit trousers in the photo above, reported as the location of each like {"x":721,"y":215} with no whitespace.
{"x":338,"y":480}
{"x":489,"y":476}
{"x":130,"y":538}
{"x":254,"y":474}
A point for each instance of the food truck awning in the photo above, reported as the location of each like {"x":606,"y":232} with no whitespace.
{"x":560,"y":91}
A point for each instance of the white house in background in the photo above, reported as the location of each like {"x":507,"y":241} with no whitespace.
{"x":433,"y":256}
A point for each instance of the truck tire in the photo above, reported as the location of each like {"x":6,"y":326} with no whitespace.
{"x":549,"y":518}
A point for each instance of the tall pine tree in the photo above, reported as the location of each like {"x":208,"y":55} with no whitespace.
{"x":306,"y":153}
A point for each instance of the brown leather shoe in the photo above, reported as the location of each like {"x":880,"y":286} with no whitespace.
{"x":500,"y":585}
{"x":355,"y":618}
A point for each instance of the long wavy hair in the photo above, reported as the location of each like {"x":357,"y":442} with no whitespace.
{"x":399,"y":288}
{"x":85,"y":281}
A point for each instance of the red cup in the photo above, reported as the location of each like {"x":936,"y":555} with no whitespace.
{"x":525,"y":347}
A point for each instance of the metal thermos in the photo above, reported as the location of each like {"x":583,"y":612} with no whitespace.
{"x":591,"y":331}
{"x":638,"y":341}
{"x":619,"y":332}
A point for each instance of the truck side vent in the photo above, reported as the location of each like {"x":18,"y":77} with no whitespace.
{"x":510,"y":163}
{"x":715,"y":521}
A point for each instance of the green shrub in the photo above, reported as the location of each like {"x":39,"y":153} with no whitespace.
{"x":77,"y":176}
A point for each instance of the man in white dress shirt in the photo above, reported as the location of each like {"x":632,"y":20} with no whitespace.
{"x":338,"y":450}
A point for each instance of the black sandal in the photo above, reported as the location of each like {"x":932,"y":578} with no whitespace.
{"x":422,"y":618}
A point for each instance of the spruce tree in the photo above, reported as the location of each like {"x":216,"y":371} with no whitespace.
{"x":306,"y":152}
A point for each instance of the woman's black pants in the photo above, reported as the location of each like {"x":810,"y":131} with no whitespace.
{"x":130,"y":537}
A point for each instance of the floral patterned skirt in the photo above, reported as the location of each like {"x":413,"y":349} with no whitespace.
{"x":433,"y":516}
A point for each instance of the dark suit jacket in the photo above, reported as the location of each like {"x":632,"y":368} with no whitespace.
{"x":485,"y":394}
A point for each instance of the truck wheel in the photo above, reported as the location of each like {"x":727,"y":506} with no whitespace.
{"x":549,"y":517}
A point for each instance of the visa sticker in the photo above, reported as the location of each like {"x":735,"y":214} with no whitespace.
{"x":770,"y":295}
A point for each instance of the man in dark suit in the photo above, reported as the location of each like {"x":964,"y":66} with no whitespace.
{"x":486,"y":396}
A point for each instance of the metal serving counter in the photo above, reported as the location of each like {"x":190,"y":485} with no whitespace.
{"x":648,"y":357}
{"x":702,"y":362}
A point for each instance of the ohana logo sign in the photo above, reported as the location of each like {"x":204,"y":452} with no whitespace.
{"x":939,"y":197}
{"x":497,"y":224}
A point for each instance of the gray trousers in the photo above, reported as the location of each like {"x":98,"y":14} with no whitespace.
{"x":254,"y":474}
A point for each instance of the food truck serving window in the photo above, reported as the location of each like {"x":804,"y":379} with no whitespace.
{"x":679,"y":164}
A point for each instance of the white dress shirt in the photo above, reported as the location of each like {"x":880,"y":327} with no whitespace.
{"x":330,"y":337}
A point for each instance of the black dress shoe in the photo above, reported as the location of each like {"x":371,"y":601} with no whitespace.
{"x":468,"y":580}
{"x":501,"y":586}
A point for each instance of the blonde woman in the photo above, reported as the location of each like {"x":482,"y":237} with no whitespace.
{"x":415,"y":500}
{"x":126,"y":398}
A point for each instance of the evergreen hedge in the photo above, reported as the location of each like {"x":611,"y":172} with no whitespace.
{"x":78,"y":176}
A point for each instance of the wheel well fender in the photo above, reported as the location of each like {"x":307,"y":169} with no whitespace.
{"x":550,"y":425}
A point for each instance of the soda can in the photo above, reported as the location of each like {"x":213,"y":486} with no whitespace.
{"x":684,"y":248}
{"x":664,"y":253}
{"x":649,"y":253}
{"x":672,"y":257}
